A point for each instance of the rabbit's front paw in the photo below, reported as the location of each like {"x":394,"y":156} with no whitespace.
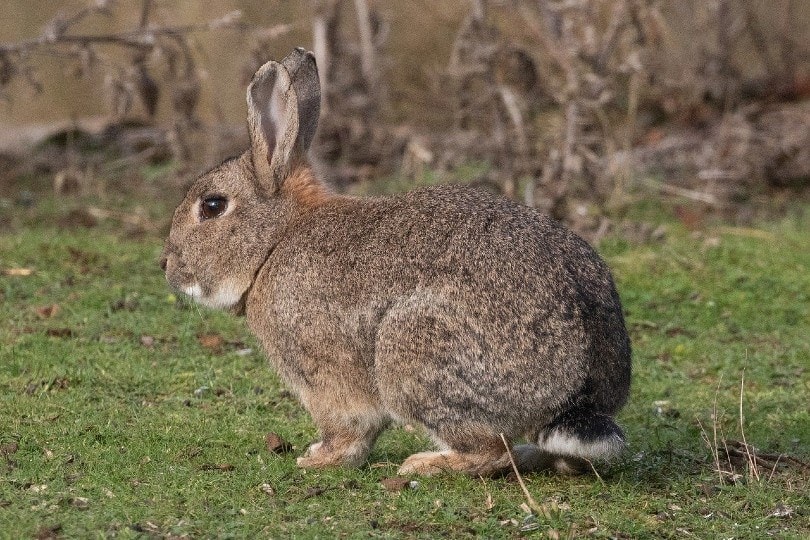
{"x":312,"y":450}
{"x":313,"y":457}
{"x":320,"y":455}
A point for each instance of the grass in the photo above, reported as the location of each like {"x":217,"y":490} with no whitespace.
{"x":127,"y":412}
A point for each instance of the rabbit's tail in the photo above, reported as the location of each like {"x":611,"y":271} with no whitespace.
{"x":582,"y":433}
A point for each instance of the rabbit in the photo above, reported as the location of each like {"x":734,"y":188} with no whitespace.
{"x":480,"y":319}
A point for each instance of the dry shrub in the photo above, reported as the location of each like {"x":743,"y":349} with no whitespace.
{"x":586,"y":99}
{"x":573,"y":104}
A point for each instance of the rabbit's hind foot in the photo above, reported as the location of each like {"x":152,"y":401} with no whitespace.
{"x":430,"y":463}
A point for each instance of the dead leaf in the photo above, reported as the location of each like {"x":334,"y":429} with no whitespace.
{"x":212,"y":342}
{"x":314,"y":492}
{"x":395,"y":483}
{"x":147,"y":527}
{"x":690,"y":216}
{"x":46,"y":312}
{"x":47,"y":532}
{"x":148,"y":341}
{"x":9,"y":448}
{"x":277,"y":445}
{"x":60,"y":332}
{"x":223,"y":467}
{"x":18,"y":272}
{"x":78,"y":218}
{"x":59,"y":383}
{"x":675,"y":331}
{"x":127,"y":304}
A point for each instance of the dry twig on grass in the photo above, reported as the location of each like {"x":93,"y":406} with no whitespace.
{"x":728,"y":454}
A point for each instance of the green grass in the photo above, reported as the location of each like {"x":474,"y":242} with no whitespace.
{"x":115,"y":420}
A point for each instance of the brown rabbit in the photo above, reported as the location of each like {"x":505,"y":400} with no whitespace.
{"x":446,"y":307}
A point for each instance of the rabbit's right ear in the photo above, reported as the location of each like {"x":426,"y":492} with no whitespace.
{"x":273,"y":124}
{"x":303,"y":70}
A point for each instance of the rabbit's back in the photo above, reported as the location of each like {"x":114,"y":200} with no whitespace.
{"x":447,"y":291}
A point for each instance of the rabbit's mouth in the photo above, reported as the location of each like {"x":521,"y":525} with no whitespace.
{"x":226,"y":296}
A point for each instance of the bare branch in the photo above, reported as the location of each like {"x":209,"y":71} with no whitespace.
{"x":367,"y":54}
{"x":138,"y":39}
{"x":145,"y":9}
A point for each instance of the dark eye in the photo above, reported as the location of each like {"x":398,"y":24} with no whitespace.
{"x":213,"y":207}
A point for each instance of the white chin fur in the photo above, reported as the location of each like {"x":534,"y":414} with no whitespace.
{"x":226,"y":296}
{"x":566,"y":445}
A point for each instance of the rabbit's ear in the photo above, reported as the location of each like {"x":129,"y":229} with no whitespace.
{"x":303,"y":70}
{"x":273,"y":124}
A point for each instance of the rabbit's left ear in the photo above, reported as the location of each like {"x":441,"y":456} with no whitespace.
{"x":273,"y":123}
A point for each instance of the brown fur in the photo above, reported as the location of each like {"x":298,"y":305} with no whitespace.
{"x":465,"y":313}
{"x":304,"y":188}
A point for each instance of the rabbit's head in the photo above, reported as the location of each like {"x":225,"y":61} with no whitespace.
{"x":233,"y":216}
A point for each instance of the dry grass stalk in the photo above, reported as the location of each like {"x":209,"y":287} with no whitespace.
{"x":706,"y":198}
{"x":751,"y":456}
{"x":537,"y":508}
{"x":715,"y":421}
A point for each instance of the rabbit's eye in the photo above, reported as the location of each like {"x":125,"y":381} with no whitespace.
{"x":213,"y":207}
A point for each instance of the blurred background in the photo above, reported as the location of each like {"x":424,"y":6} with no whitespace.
{"x":588,"y":110}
